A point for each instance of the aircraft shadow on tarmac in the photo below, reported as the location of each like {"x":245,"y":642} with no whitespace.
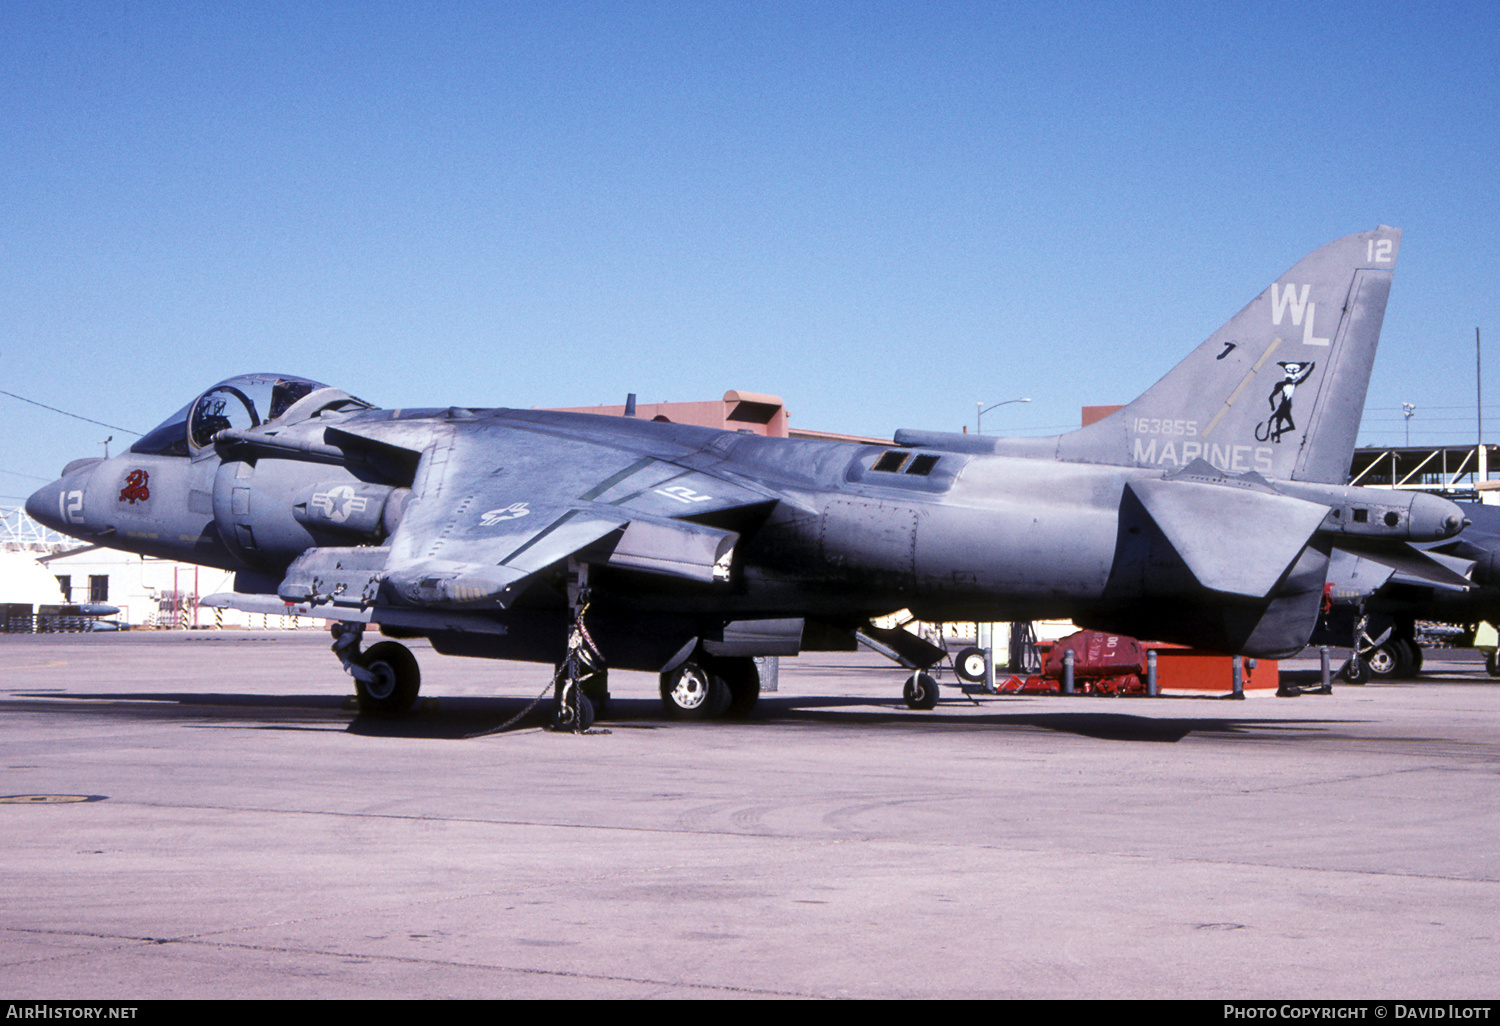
{"x":460,"y":718}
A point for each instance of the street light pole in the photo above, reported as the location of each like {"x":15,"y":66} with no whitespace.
{"x":982,"y":409}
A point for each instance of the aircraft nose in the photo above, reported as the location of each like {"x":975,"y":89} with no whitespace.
{"x":59,"y":505}
{"x":46,"y":506}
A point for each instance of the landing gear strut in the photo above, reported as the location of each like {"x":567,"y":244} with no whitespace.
{"x":582,"y":670}
{"x":386,"y":675}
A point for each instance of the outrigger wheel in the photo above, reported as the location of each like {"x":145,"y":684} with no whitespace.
{"x":921,"y":691}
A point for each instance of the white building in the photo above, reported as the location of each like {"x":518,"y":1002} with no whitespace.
{"x":41,"y":567}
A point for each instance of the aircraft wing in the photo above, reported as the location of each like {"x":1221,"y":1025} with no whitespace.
{"x":495,"y":502}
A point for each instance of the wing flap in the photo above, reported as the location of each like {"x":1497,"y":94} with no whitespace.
{"x":676,"y":548}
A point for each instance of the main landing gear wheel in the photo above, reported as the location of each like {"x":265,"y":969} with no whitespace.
{"x":694,"y":692}
{"x":1384,"y":660}
{"x":969,"y":665}
{"x":742,"y":677}
{"x":1492,"y":664}
{"x":397,"y":679}
{"x":1408,"y":658}
{"x":1395,"y":658}
{"x":920,"y":691}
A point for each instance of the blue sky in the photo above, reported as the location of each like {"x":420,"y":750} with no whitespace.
{"x":882,"y":212}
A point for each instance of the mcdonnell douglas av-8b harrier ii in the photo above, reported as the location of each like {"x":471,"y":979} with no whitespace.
{"x":1204,"y":512}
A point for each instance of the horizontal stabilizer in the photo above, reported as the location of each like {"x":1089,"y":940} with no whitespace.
{"x":1238,"y":540}
{"x":1354,"y":578}
{"x":1412,"y":565}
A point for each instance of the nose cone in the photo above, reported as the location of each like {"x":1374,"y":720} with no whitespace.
{"x":59,"y":505}
{"x":45,"y":505}
{"x":1434,"y":518}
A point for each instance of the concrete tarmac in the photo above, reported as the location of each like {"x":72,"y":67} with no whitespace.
{"x":245,"y":835}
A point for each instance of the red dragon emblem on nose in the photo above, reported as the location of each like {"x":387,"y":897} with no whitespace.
{"x":135,"y":489}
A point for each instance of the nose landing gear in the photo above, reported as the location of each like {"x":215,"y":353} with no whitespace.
{"x":386,"y":675}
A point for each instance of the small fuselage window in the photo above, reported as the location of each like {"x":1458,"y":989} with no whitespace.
{"x":892,"y":460}
{"x":923,"y":464}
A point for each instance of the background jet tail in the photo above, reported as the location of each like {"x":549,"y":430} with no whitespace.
{"x":1278,"y":390}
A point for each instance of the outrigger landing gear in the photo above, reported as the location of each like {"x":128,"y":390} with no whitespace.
{"x":920,"y":691}
{"x":386,"y":675}
{"x":915,"y":654}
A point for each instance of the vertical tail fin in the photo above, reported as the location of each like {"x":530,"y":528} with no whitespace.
{"x":1278,"y":390}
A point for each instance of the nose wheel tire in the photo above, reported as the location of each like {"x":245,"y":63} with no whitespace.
{"x":573,"y":713}
{"x":397,"y":680}
{"x":1356,"y":670}
{"x":595,"y":687}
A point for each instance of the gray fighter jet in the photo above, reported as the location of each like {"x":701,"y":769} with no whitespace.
{"x":1373,"y":609}
{"x":1204,"y":512}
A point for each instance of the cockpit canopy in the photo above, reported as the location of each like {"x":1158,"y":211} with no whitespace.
{"x":241,"y":402}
